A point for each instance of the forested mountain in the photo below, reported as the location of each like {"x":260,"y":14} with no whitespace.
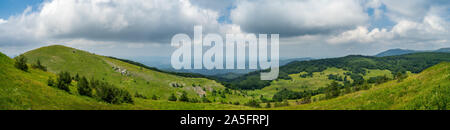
{"x":395,"y":52}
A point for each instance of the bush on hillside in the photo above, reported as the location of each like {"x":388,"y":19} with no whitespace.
{"x":205,"y":100}
{"x":77,"y":77}
{"x":333,"y":90}
{"x":268,"y":105}
{"x":253,"y":103}
{"x":21,"y":63}
{"x":84,"y":88}
{"x":184,"y":97}
{"x":63,"y":81}
{"x":139,"y":95}
{"x":63,"y":86}
{"x":64,"y":77}
{"x":289,"y":94}
{"x":38,"y":65}
{"x":281,"y":104}
{"x":110,"y":93}
{"x":154,"y":97}
{"x":173,"y":97}
{"x":50,"y":81}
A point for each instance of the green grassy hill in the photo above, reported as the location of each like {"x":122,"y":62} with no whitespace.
{"x":427,"y":90}
{"x":29,"y":90}
{"x":138,"y":80}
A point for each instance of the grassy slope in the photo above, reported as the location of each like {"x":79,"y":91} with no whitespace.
{"x":421,"y":91}
{"x":146,"y":82}
{"x":143,"y":81}
{"x":29,"y":90}
{"x":377,"y":72}
{"x":318,"y":80}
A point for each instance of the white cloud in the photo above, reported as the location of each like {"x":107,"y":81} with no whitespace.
{"x":431,"y":28}
{"x":112,"y":20}
{"x":130,"y":20}
{"x":311,"y":26}
{"x":361,"y":35}
{"x":293,"y":18}
{"x":2,"y":21}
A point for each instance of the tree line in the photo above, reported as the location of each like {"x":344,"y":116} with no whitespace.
{"x":94,"y":88}
{"x":21,"y":63}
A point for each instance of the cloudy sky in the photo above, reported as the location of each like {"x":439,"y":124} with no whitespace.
{"x":307,"y":28}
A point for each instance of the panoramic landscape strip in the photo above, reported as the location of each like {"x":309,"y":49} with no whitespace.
{"x":60,"y":77}
{"x":225,"y":55}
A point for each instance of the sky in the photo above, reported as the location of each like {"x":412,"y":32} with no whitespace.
{"x":15,"y":7}
{"x":307,"y":28}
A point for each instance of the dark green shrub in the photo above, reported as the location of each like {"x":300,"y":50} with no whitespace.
{"x":38,"y":65}
{"x":173,"y":97}
{"x":50,"y":81}
{"x":194,"y":100}
{"x":63,"y":81}
{"x":253,"y":103}
{"x":84,"y":88}
{"x":154,"y":97}
{"x":268,"y":105}
{"x":205,"y":100}
{"x":264,"y":100}
{"x":76,"y":78}
{"x":333,"y":90}
{"x":21,"y":63}
{"x":112,"y":94}
{"x":281,"y":104}
{"x":139,"y":95}
{"x":64,"y":77}
{"x":184,"y":97}
{"x":63,"y":86}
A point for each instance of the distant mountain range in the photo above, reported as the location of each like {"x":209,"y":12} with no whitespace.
{"x":443,"y":50}
{"x":163,"y":63}
{"x":395,"y":52}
